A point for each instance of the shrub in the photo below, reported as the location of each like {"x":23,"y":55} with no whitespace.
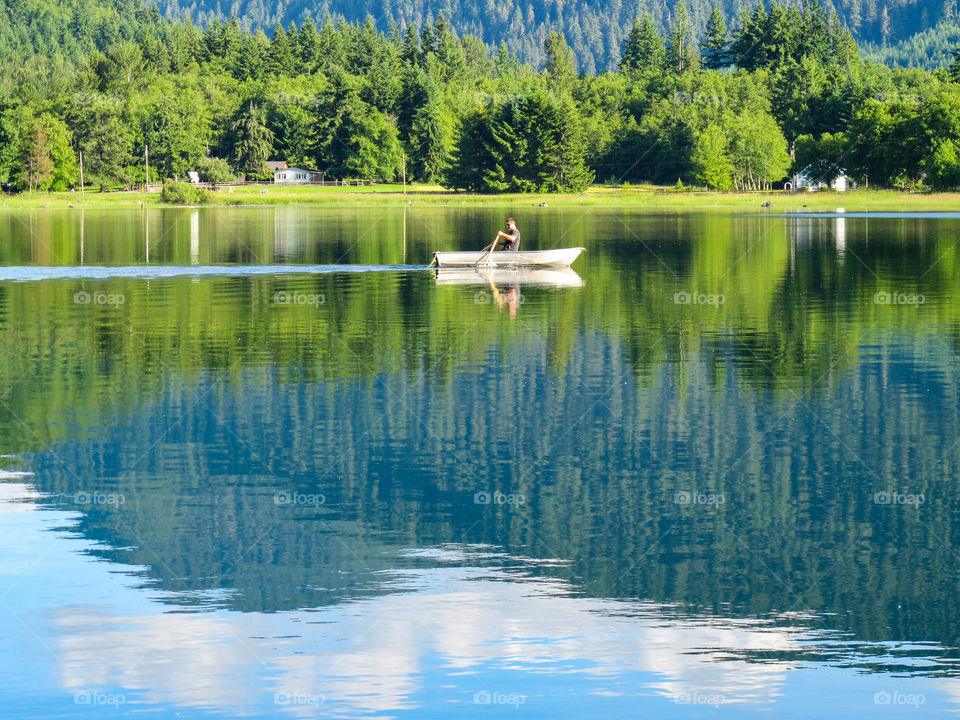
{"x":182,"y":193}
{"x":215,"y":170}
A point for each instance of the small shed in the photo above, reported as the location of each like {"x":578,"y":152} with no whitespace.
{"x":297,"y":176}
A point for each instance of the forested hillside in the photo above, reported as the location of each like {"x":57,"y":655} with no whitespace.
{"x":595,"y":29}
{"x":785,"y":91}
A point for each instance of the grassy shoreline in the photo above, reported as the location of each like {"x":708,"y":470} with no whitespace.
{"x":652,"y":198}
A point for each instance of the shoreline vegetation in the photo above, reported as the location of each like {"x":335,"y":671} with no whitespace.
{"x":639,"y":197}
{"x":779,"y":97}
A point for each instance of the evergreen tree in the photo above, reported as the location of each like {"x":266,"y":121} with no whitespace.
{"x":681,"y":57}
{"x":282,"y":57}
{"x":106,"y":144}
{"x":252,"y":57}
{"x":955,"y":68}
{"x":643,"y":49}
{"x":473,"y":159}
{"x":505,"y":64}
{"x":560,"y":64}
{"x":431,"y":142}
{"x":308,"y":46}
{"x":411,"y":46}
{"x":332,"y":52}
{"x":253,"y":145}
{"x":534,"y":144}
{"x":714,"y":46}
{"x":450,"y":55}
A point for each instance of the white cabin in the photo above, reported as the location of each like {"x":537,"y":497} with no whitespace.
{"x":297,"y":176}
{"x":802,"y":181}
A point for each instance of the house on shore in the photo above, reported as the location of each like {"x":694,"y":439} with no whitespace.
{"x":283,"y":174}
{"x":802,"y":181}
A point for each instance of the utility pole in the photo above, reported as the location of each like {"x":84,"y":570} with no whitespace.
{"x":146,"y":168}
{"x":403,"y":155}
{"x":81,"y":173}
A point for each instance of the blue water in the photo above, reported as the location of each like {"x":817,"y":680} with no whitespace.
{"x":714,"y":477}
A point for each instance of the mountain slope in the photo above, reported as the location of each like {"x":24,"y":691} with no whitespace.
{"x":595,"y":29}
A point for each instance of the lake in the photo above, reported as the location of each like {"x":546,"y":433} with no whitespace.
{"x":263,"y":462}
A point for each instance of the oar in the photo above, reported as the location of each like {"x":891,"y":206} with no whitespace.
{"x":485,"y":260}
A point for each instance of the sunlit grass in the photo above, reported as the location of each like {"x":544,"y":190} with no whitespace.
{"x":644,"y":197}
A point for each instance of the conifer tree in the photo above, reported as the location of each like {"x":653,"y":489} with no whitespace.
{"x":681,"y":57}
{"x":560,"y":64}
{"x":714,"y":46}
{"x":643,"y":49}
{"x":254,"y":141}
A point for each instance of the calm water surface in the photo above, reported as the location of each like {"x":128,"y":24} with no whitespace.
{"x":710,"y":473}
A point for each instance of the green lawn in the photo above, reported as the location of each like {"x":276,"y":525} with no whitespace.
{"x":644,"y":197}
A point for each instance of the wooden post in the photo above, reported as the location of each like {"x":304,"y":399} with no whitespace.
{"x":81,"y":173}
{"x":403,"y":155}
{"x":146,"y":170}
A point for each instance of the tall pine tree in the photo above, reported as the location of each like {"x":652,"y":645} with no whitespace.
{"x":713,"y":48}
{"x":643,"y":49}
{"x":681,"y":57}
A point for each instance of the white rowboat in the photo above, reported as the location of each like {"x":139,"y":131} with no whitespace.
{"x":560,"y":257}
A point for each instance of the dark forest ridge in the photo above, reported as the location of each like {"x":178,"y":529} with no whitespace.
{"x":596,"y":29}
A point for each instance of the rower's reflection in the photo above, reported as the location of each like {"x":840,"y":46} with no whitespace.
{"x":510,"y":298}
{"x":504,"y":283}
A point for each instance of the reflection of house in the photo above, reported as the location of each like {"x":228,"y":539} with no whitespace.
{"x":802,"y":181}
{"x":293,"y":175}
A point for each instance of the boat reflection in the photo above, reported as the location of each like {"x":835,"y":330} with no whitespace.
{"x":505,"y":283}
{"x":535,"y":277}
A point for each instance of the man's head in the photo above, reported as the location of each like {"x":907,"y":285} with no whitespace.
{"x":511,"y":223}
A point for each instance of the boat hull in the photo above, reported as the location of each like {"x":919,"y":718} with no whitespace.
{"x":559,"y":257}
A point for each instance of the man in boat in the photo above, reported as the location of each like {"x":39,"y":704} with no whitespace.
{"x":511,"y":238}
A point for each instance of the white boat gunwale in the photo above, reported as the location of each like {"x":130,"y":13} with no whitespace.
{"x":555,"y":257}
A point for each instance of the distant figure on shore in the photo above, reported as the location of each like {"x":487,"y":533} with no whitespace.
{"x":512,"y":237}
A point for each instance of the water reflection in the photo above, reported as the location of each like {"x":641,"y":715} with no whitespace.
{"x":604,"y":402}
{"x":441,"y":634}
{"x":537,"y":277}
